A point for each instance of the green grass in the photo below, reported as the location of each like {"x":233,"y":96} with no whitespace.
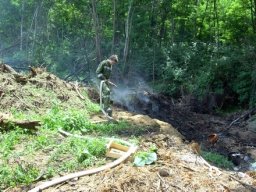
{"x":76,"y":154}
{"x":74,"y":120}
{"x":20,"y":152}
{"x":13,"y":170}
{"x":8,"y":141}
{"x":20,"y":173}
{"x":217,"y":159}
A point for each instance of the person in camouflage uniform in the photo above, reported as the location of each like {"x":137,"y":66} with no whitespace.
{"x":103,"y":73}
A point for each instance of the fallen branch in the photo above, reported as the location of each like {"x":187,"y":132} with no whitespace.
{"x":25,"y":124}
{"x":8,"y":69}
{"x":188,"y":168}
{"x":246,"y":115}
{"x":6,"y":121}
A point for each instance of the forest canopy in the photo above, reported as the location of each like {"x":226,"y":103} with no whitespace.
{"x":199,"y":47}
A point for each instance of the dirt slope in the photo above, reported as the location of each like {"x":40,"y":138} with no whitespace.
{"x":35,"y":92}
{"x":175,"y":170}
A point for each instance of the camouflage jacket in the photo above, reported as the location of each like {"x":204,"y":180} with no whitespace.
{"x":104,"y":70}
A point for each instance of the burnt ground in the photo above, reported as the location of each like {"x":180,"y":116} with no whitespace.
{"x":236,"y":132}
{"x":171,"y":127}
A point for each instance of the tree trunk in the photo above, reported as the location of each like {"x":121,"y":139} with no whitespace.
{"x":202,"y":23}
{"x":21,"y":25}
{"x":35,"y":29}
{"x":254,"y":23}
{"x":97,"y":30}
{"x":216,"y":23}
{"x":127,"y":37}
{"x":253,"y":14}
{"x":197,"y":4}
{"x":114,"y":27}
{"x":162,"y":33}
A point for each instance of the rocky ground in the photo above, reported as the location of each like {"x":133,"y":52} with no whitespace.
{"x":170,"y":127}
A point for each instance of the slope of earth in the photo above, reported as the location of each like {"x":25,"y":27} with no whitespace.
{"x":176,"y":169}
{"x":35,"y":92}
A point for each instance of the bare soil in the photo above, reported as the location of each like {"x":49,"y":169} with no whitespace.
{"x":175,"y":170}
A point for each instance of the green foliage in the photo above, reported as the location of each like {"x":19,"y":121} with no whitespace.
{"x":70,"y":119}
{"x":217,"y":159}
{"x":144,"y":158}
{"x":74,"y":120}
{"x":227,"y":72}
{"x":105,"y":128}
{"x":58,"y":155}
{"x":13,"y":170}
{"x":20,"y":173}
{"x":90,"y":106}
{"x":79,"y":153}
{"x":8,"y":141}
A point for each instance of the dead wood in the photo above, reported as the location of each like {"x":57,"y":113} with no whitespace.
{"x":243,"y":117}
{"x":25,"y":124}
{"x":8,"y":69}
{"x":33,"y":71}
{"x":6,"y":122}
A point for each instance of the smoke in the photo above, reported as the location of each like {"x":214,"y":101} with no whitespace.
{"x":134,"y":97}
{"x":124,"y":97}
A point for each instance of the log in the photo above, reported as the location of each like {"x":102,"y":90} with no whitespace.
{"x":27,"y":124}
{"x":8,"y":69}
{"x":6,"y":122}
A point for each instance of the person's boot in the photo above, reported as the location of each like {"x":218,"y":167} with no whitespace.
{"x":109,"y":112}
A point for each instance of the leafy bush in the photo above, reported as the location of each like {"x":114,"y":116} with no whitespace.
{"x":71,"y":119}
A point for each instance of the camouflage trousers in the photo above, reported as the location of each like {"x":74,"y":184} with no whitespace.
{"x":105,"y":94}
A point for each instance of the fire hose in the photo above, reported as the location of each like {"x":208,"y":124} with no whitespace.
{"x":47,"y":184}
